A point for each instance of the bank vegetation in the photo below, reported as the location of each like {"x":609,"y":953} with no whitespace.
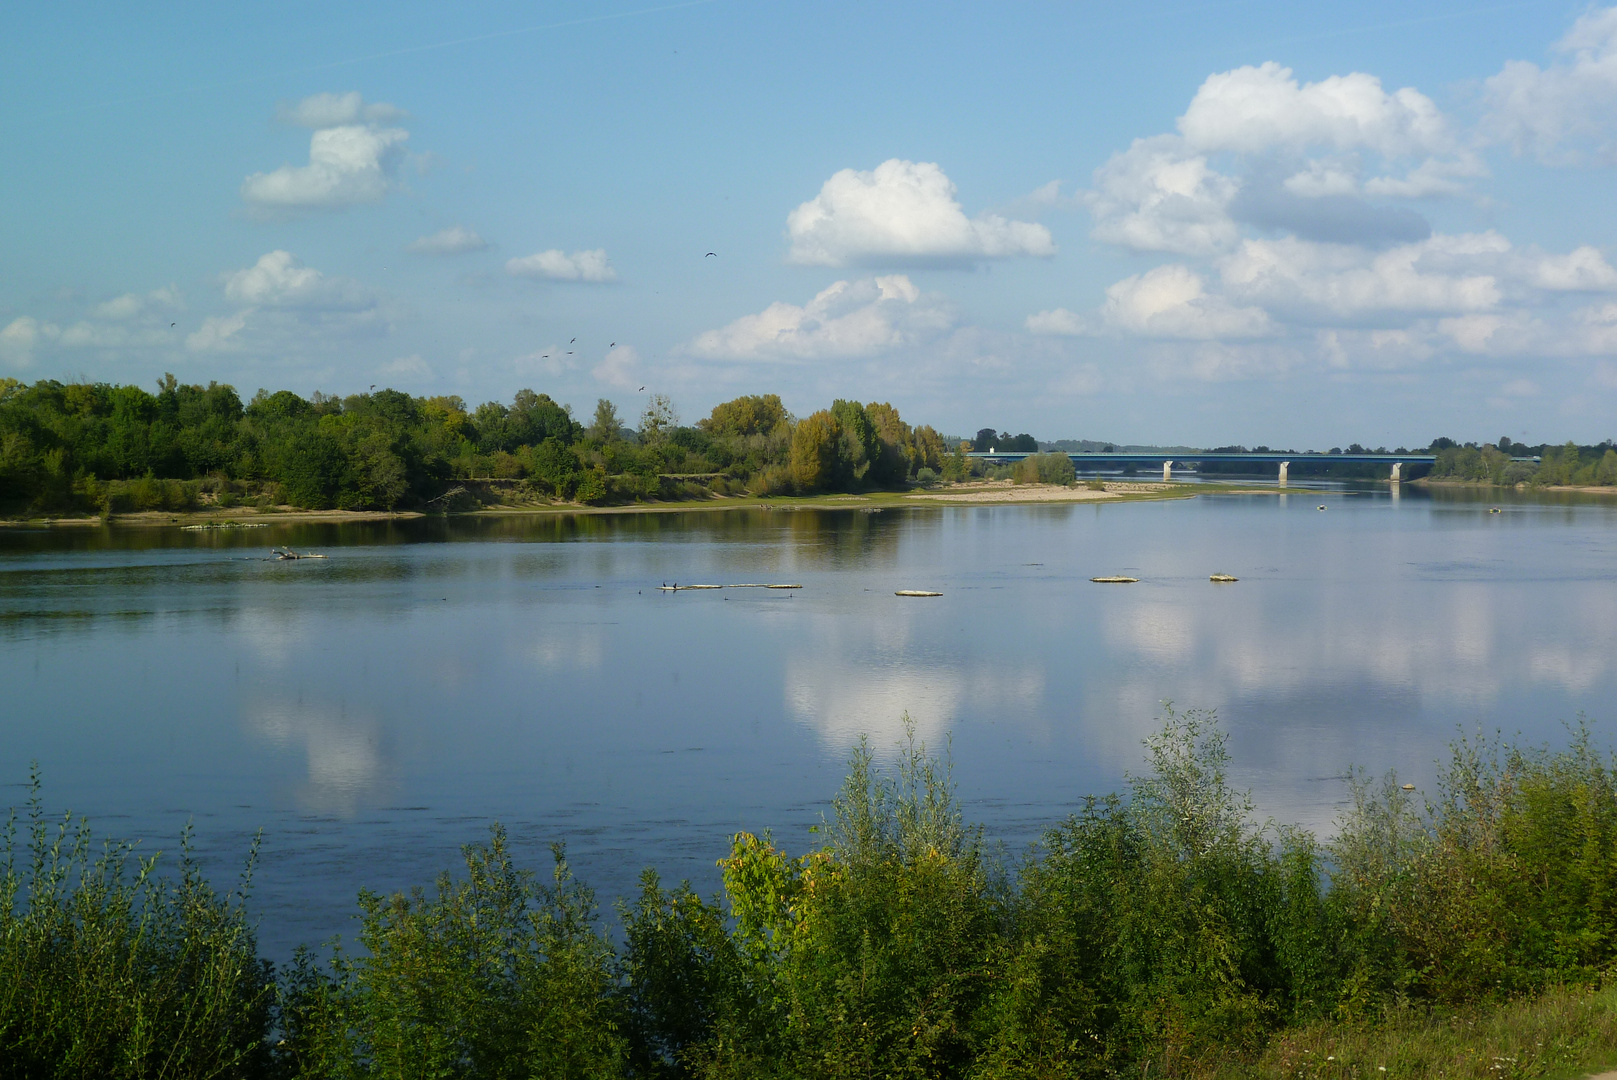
{"x":97,"y":448}
{"x":1468,"y":931}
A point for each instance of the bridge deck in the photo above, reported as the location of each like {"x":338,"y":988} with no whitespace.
{"x":1132,"y":458}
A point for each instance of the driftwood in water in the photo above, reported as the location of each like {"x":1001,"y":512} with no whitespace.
{"x":288,"y":553}
{"x":683,"y":588}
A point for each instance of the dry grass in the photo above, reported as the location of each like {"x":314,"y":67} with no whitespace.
{"x":1567,"y":1032}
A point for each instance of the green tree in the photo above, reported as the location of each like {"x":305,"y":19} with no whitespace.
{"x":929,"y":450}
{"x":658,"y":421}
{"x":605,"y":427}
{"x":895,"y":454}
{"x":816,"y":442}
{"x":758,"y":414}
{"x":858,"y":445}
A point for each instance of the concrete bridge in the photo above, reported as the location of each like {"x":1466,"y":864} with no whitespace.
{"x":1185,"y":457}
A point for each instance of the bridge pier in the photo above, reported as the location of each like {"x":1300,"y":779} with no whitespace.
{"x":1167,"y":471}
{"x":1397,"y":472}
{"x":1285,"y":467}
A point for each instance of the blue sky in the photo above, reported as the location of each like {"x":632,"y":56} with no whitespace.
{"x":1201,"y":222}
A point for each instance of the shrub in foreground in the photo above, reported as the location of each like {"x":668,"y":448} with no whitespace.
{"x":1165,"y":928}
{"x":110,"y":968}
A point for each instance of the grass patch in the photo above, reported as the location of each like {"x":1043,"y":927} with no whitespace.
{"x":1565,"y":1032}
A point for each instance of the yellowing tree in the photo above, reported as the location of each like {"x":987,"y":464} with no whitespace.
{"x":929,"y":451}
{"x":814,"y":451}
{"x":895,"y":445}
{"x":756,"y":414}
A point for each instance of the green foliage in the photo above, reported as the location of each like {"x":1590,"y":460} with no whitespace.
{"x":606,"y":427}
{"x":1558,"y":466}
{"x":110,"y":967}
{"x":1045,"y":469}
{"x":815,"y":460}
{"x":494,"y":976}
{"x":856,"y":448}
{"x":929,"y":450}
{"x":96,"y":448}
{"x":894,"y":456}
{"x":659,"y":420}
{"x":758,"y":414}
{"x":1163,"y":927}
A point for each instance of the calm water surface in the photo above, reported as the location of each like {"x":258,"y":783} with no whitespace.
{"x":373,"y":711}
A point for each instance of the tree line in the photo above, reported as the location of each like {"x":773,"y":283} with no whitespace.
{"x":103,"y":448}
{"x":1556,"y":466}
{"x":1161,"y":930}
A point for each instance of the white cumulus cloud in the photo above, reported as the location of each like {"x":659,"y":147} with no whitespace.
{"x":1167,"y":302}
{"x":1157,"y":196}
{"x":1057,"y":321}
{"x":133,"y":305}
{"x":1567,"y":111}
{"x":451,"y":241}
{"x":1254,"y":110}
{"x":557,"y":265}
{"x":620,"y":367}
{"x":1581,"y":270}
{"x":412,"y":366}
{"x":848,"y":319}
{"x":22,"y":335}
{"x":902,"y":212}
{"x":1311,"y":155}
{"x":334,"y":110}
{"x":1172,"y":302}
{"x":1338,"y":282}
{"x":218,"y":333}
{"x":348,"y":165}
{"x":279,"y":280}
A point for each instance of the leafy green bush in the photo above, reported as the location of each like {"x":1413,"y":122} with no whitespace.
{"x":1161,"y":928}
{"x":1045,"y":469}
{"x":494,"y":976}
{"x":110,"y":967}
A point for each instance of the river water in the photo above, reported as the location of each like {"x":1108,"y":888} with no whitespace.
{"x":375,"y":710}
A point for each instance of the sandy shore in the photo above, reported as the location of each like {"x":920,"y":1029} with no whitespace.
{"x":981,"y":493}
{"x":220,"y":518}
{"x":1006,"y":491}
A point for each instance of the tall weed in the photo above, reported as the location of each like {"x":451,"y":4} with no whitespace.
{"x":109,"y":968}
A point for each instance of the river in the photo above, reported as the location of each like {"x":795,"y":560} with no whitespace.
{"x":372,"y":711}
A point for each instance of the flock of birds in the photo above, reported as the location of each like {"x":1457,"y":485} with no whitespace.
{"x":574,"y":341}
{"x":613,"y":345}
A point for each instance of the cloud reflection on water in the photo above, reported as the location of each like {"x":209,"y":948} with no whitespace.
{"x":347,"y":764}
{"x":1340,"y":673}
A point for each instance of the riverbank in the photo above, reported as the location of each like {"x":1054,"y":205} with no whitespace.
{"x":900,"y":943}
{"x":1569,"y":1031}
{"x":1547,"y":489}
{"x":216,"y":518}
{"x":980,"y":493}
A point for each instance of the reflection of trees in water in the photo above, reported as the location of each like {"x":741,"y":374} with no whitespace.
{"x":834,"y":539}
{"x":819,"y":537}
